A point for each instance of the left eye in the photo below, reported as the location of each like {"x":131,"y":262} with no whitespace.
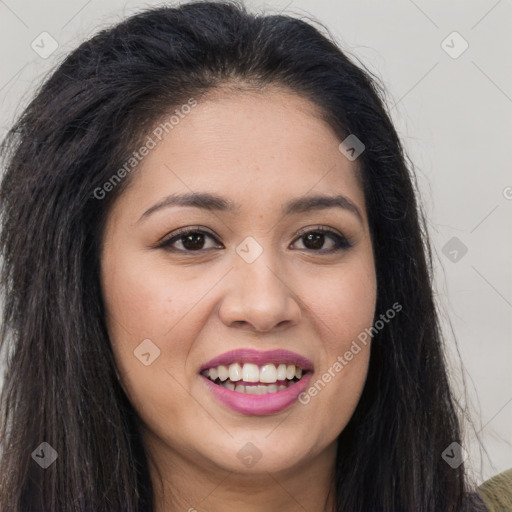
{"x":193,"y":240}
{"x":315,"y":239}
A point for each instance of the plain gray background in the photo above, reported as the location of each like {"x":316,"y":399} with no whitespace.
{"x":453,"y":111}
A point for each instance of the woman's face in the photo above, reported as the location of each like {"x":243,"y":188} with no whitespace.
{"x":253,"y":289}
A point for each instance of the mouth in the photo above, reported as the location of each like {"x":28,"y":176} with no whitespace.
{"x":254,"y":379}
{"x":253,"y":382}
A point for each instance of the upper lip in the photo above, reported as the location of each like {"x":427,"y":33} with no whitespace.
{"x":248,"y":355}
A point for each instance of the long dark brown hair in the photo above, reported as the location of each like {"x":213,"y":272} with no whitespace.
{"x":60,"y":383}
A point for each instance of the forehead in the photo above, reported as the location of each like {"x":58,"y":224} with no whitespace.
{"x":256,"y":147}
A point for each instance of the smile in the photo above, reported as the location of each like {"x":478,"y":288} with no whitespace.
{"x":253,"y":382}
{"x":252,"y":379}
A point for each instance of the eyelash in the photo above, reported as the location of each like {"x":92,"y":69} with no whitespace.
{"x":341,"y":242}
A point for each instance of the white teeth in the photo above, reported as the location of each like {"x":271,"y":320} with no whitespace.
{"x":251,"y":372}
{"x":230,"y":385}
{"x":268,"y":373}
{"x":281,"y":372}
{"x":240,"y":388}
{"x":235,"y":372}
{"x":223,"y":372}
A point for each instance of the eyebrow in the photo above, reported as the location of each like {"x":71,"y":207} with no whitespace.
{"x":212,"y":202}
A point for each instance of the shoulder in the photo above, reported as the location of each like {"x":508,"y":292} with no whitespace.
{"x":497,"y":492}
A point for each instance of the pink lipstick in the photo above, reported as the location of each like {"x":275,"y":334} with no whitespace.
{"x":254,"y":382}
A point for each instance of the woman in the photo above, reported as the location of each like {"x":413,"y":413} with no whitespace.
{"x":217,"y":282}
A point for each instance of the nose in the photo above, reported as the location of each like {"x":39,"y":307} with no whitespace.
{"x":259,"y":298}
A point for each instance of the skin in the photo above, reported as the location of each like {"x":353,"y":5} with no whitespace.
{"x":260,"y":149}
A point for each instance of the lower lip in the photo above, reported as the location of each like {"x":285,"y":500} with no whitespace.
{"x":258,"y":405}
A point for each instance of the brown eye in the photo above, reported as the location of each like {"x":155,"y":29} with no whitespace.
{"x":314,"y":240}
{"x":188,"y":240}
{"x":193,"y":241}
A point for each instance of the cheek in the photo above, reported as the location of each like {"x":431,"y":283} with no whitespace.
{"x":137,"y":295}
{"x":146,"y":302}
{"x":146,"y":298}
{"x":345,"y":306}
{"x":142,"y":303}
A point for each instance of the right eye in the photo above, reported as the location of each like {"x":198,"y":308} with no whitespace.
{"x":190,"y":239}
